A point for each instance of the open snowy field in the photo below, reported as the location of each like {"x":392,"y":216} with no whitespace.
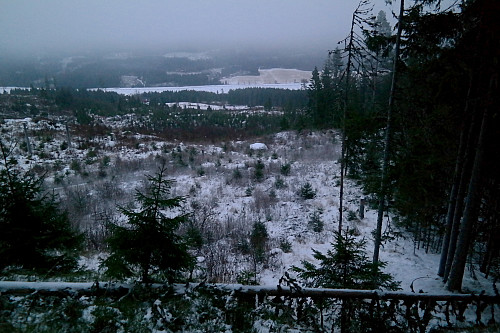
{"x":270,"y":76}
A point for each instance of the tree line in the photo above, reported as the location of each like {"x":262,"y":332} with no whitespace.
{"x":111,"y":103}
{"x":271,"y":97}
{"x":441,"y":136}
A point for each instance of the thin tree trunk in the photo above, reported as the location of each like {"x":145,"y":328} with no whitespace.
{"x":346,"y":103}
{"x":362,"y":208}
{"x":470,"y":216}
{"x":68,"y":136}
{"x":439,"y":242}
{"x":485,"y":264}
{"x":385,"y":162}
{"x":416,"y":237}
{"x":374,"y":87}
{"x":493,"y":244}
{"x":27,"y":138}
{"x":462,"y":190}
{"x":343,"y":316}
{"x":461,"y":155}
{"x":428,"y":239}
{"x":452,"y":204}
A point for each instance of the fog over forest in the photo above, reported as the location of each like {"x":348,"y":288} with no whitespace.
{"x":75,"y":26}
{"x":96,"y":43}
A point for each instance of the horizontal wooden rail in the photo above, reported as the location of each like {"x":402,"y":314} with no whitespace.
{"x":48,"y":288}
{"x":353,"y":293}
{"x":20,"y":288}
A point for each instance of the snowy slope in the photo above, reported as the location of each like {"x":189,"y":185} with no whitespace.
{"x":209,"y":183}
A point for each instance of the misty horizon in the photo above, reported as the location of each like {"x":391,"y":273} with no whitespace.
{"x":73,"y":27}
{"x":117,"y":43}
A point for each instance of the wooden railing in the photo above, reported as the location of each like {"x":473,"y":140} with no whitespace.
{"x":417,"y":312}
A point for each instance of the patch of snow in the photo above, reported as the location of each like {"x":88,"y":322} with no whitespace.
{"x":205,"y":107}
{"x":208,"y":164}
{"x":258,"y":146}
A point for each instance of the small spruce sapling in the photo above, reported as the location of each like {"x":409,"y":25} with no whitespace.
{"x":315,"y":221}
{"x":150,"y":242}
{"x":259,"y":171}
{"x":307,"y":192}
{"x":279,"y":183}
{"x":346,"y":265}
{"x":285,"y":169}
{"x":258,"y":240}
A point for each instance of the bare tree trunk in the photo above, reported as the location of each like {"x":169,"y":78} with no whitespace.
{"x":68,"y":136}
{"x":374,"y":81}
{"x":385,"y":162}
{"x":452,"y":203}
{"x":451,"y":206}
{"x":27,"y":138}
{"x":493,"y":244}
{"x":462,"y":190}
{"x":471,"y":212}
{"x":490,"y":249}
{"x":346,"y":104}
{"x":362,"y":203}
{"x":428,"y":239}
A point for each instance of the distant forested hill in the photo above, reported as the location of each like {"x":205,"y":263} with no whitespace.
{"x":132,"y":70}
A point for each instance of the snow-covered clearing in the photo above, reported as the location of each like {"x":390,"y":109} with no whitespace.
{"x":270,"y":76}
{"x":204,"y":106}
{"x":221,"y":188}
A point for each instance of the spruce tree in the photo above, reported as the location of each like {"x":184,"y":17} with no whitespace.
{"x":34,"y":233}
{"x":382,"y":196}
{"x":346,"y":266}
{"x":314,"y":93}
{"x":150,"y":243}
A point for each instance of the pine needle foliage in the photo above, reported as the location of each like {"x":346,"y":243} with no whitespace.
{"x":149,"y":244}
{"x":307,"y":191}
{"x":34,"y":233}
{"x":258,"y":240}
{"x":346,"y":266}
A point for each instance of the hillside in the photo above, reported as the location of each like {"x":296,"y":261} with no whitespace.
{"x":225,"y":195}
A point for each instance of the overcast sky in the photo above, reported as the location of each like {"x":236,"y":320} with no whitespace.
{"x":31,"y":26}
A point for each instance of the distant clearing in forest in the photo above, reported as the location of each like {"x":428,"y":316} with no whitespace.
{"x":271,"y":76}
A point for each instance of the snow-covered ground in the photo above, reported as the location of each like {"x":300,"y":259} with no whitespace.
{"x":270,"y":76}
{"x":231,"y":204}
{"x":204,"y":106}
